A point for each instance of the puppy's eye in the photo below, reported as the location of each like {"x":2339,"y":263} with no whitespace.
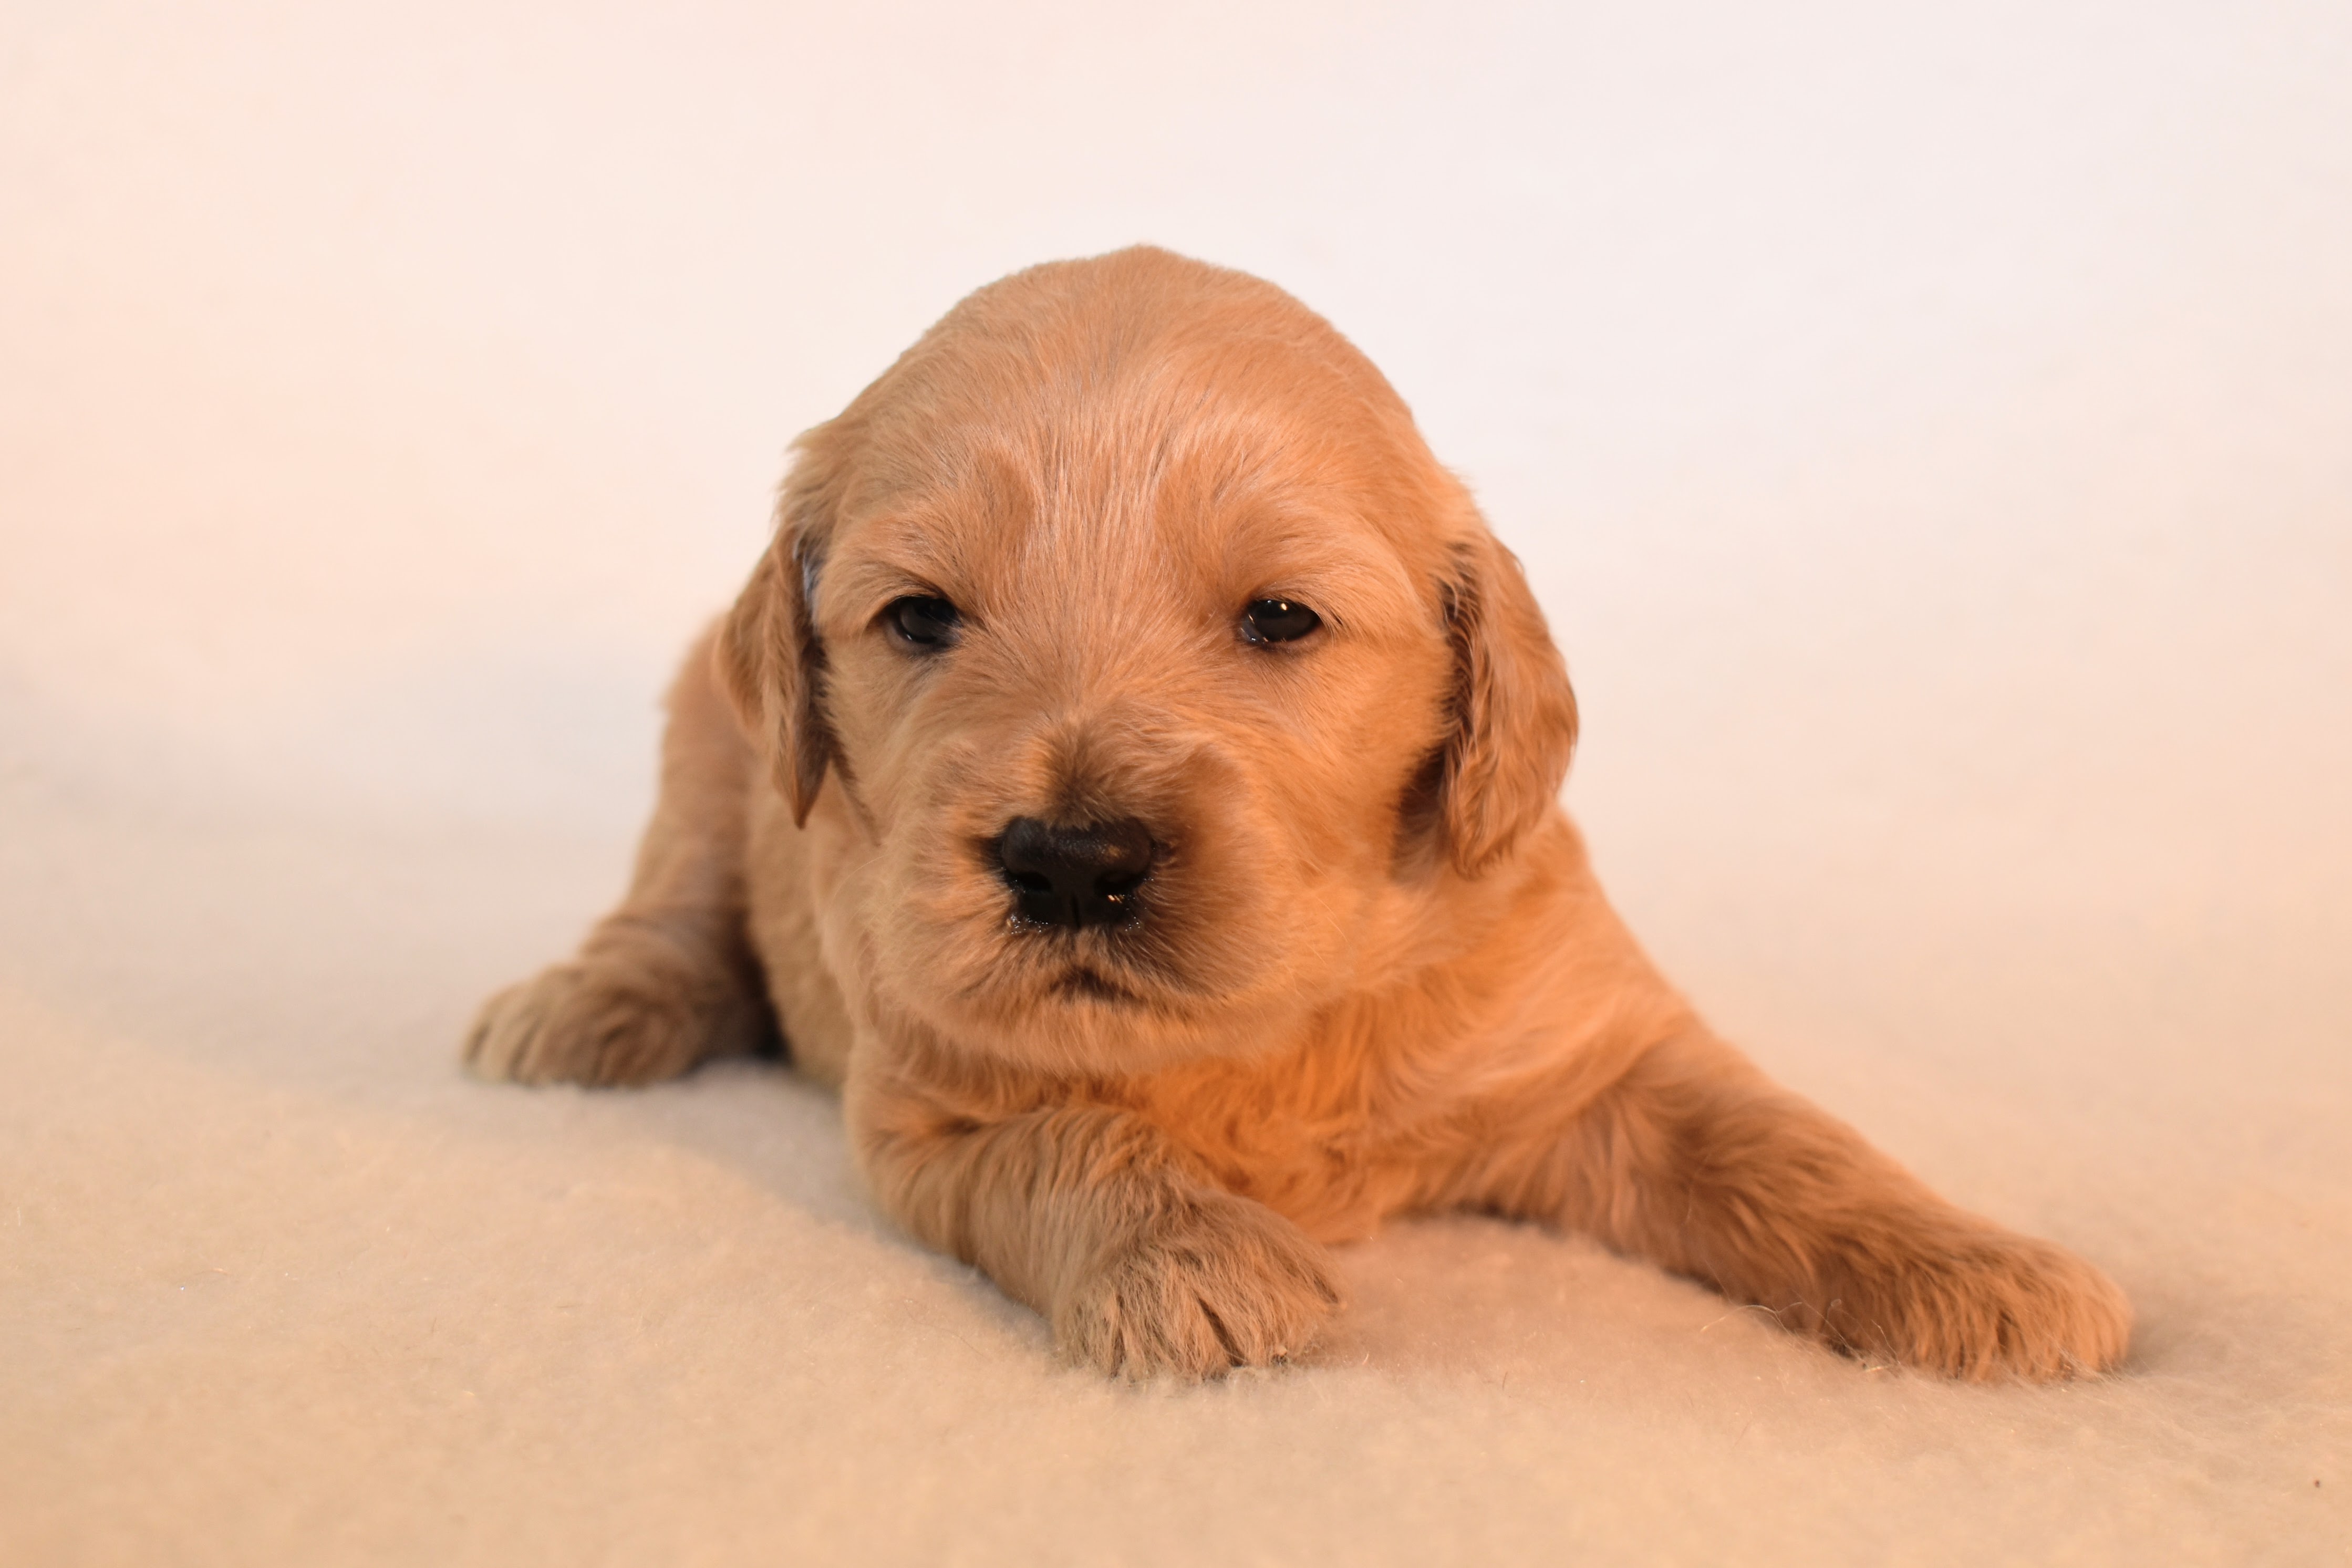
{"x":1278,"y":621}
{"x":922,"y":622}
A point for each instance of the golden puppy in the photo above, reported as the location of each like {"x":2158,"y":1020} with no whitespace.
{"x":1132,"y":773}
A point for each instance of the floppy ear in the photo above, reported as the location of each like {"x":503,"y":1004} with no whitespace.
{"x":1515,"y":713}
{"x":770,"y":662}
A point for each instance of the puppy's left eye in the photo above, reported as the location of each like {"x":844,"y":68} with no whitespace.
{"x":1278,"y":621}
{"x":923,"y":622}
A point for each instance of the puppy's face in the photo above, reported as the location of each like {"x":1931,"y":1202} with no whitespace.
{"x":1151,"y":651}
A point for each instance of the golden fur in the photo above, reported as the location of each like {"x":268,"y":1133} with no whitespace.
{"x":1373,"y":972}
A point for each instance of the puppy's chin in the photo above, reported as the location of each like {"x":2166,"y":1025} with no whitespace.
{"x":1046,"y":1000}
{"x":969,"y":973}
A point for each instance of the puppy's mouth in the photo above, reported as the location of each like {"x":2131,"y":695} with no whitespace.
{"x":1079,"y":983}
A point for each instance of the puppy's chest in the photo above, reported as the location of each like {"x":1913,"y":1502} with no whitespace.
{"x":1334,"y":1145}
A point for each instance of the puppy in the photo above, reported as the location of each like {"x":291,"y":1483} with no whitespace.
{"x":1131,"y":773}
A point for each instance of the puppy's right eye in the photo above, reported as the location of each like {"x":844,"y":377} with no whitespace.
{"x":922,"y":622}
{"x":1277,"y":621}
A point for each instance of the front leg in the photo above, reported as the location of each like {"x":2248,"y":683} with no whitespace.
{"x":1698,"y":1162}
{"x":1089,"y":1214}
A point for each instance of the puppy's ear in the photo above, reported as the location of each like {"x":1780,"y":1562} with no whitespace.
{"x":772,"y":665}
{"x":1514,"y":711}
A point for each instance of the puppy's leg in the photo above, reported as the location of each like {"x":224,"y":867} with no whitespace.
{"x":1089,"y":1214}
{"x":1698,"y":1162}
{"x":669,"y":977}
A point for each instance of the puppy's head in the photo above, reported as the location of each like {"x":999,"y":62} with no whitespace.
{"x":1154,"y":655}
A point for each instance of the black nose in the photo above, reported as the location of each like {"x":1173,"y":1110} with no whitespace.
{"x":1075,"y":877}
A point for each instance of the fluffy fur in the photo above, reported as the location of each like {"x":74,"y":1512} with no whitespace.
{"x":1371,"y":971}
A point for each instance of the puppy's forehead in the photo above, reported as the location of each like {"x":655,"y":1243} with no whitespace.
{"x":1131,"y":418}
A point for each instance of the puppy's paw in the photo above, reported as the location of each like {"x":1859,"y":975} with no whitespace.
{"x":1982,"y":1304}
{"x":1220,"y":1283}
{"x":584,"y":1023}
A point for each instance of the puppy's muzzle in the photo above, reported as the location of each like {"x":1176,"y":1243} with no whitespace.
{"x":1075,"y":877}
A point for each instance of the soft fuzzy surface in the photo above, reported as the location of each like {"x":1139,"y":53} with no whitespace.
{"x":1929,"y":438}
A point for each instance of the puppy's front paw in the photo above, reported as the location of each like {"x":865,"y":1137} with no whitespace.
{"x":1220,"y":1283}
{"x":1983,"y":1304}
{"x":582,"y":1023}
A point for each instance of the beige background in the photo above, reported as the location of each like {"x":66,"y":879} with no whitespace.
{"x":1931,"y":435}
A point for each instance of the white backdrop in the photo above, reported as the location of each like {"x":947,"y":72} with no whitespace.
{"x":1929,"y":431}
